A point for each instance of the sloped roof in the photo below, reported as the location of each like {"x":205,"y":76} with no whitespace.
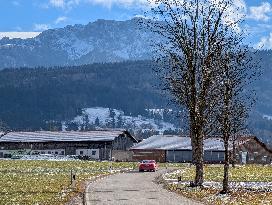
{"x":175,"y":142}
{"x":244,"y":140}
{"x":67,"y":136}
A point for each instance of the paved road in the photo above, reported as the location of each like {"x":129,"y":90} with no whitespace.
{"x":132,"y":188}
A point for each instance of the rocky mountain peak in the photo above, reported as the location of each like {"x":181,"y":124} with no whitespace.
{"x":99,"y":41}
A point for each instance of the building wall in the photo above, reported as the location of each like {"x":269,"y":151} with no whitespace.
{"x":253,"y":152}
{"x":122,"y":142}
{"x":186,"y":156}
{"x":211,"y":156}
{"x":70,"y":148}
{"x":178,"y":155}
{"x":123,"y":156}
{"x":158,"y":155}
{"x":92,"y":153}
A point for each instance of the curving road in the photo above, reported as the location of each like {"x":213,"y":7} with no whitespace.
{"x":132,"y":188}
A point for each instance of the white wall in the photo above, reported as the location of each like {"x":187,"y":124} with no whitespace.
{"x":93,"y":153}
{"x":49,"y":151}
{"x":28,"y":151}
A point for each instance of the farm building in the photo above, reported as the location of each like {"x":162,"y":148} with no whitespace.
{"x":100,"y":145}
{"x":173,"y":148}
{"x":251,"y":150}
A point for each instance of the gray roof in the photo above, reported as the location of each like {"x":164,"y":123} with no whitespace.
{"x":67,"y":136}
{"x":175,"y":142}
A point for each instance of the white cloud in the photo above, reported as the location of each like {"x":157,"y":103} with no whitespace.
{"x":64,"y":4}
{"x":23,"y":35}
{"x":109,"y":3}
{"x":124,"y":3}
{"x":261,"y":13}
{"x":236,"y":12}
{"x":265,"y":42}
{"x":16,"y":3}
{"x":41,"y":27}
{"x":60,"y":19}
{"x":57,"y":3}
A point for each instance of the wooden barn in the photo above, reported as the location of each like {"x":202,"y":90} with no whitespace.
{"x":99,"y":145}
{"x":250,"y":150}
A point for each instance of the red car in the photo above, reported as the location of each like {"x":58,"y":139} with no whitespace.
{"x":148,"y":165}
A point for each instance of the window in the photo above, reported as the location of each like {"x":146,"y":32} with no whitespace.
{"x":93,"y":152}
{"x":62,"y":152}
{"x":81,"y":152}
{"x":42,"y":152}
{"x":56,"y":152}
{"x":49,"y":152}
{"x":251,"y":157}
{"x":264,"y":158}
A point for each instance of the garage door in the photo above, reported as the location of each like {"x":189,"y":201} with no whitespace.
{"x":178,"y":156}
{"x":214,"y":156}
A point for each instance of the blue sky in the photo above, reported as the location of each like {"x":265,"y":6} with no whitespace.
{"x":39,"y":15}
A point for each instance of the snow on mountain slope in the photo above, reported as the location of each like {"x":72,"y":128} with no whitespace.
{"x":99,"y":41}
{"x":104,"y":116}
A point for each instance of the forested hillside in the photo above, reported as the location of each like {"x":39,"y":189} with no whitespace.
{"x":30,"y":98}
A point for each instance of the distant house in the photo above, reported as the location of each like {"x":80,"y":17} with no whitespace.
{"x":173,"y":148}
{"x":100,"y":145}
{"x":250,"y":150}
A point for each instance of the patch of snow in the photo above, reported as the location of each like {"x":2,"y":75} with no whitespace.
{"x":47,"y":157}
{"x":7,"y":45}
{"x":130,"y":122}
{"x":268,"y":117}
{"x":22,"y":35}
{"x":74,"y":46}
{"x":63,"y":126}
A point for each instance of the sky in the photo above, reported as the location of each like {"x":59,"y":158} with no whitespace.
{"x":23,"y":18}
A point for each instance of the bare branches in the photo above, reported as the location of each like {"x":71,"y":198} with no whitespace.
{"x":204,"y":66}
{"x":195,"y":41}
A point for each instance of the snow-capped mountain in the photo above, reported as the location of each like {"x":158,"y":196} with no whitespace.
{"x":100,"y":41}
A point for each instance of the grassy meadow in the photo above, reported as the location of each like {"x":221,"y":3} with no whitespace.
{"x":214,"y":173}
{"x":48,"y":182}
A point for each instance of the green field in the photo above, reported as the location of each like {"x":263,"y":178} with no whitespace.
{"x":48,"y":182}
{"x":214,"y":173}
{"x":249,"y":173}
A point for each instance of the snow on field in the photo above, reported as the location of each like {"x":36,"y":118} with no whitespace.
{"x":104,"y":116}
{"x":236,"y":185}
{"x":47,"y":157}
{"x":268,"y":117}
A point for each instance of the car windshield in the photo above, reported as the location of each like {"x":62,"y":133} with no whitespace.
{"x":148,"y":161}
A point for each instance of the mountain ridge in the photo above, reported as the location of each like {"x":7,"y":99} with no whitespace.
{"x":101,"y":41}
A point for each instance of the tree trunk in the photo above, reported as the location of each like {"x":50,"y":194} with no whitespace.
{"x":233,"y":154}
{"x":226,"y":168}
{"x":197,"y":151}
{"x":199,"y":162}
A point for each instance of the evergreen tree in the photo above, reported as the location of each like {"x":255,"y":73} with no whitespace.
{"x":97,"y":123}
{"x":112,"y":115}
{"x":119,"y":121}
{"x":85,"y":122}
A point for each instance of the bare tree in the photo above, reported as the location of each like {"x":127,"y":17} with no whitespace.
{"x":193,"y":36}
{"x":234,"y":101}
{"x":239,"y":117}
